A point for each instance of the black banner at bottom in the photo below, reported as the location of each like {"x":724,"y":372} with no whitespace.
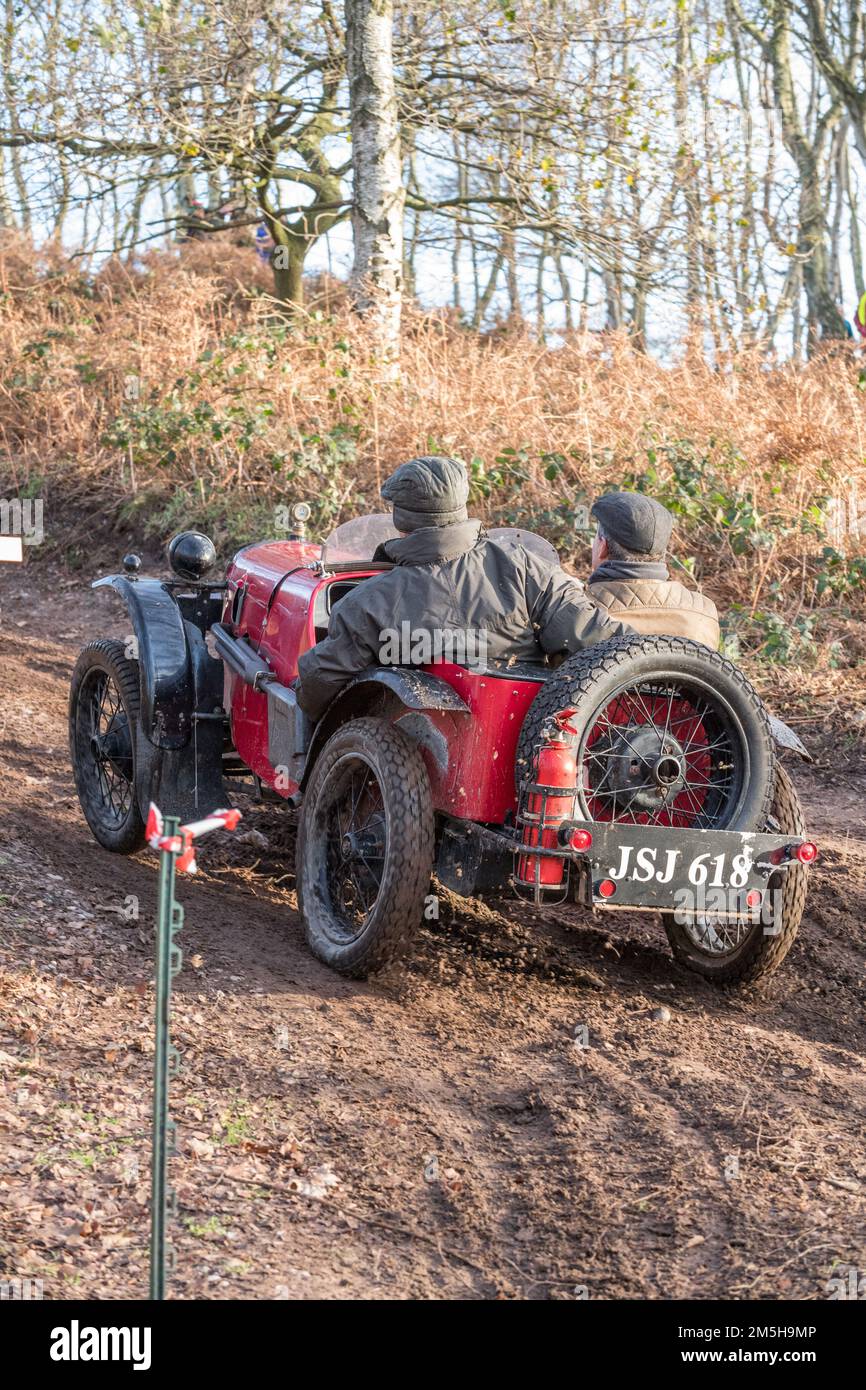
{"x":225,"y":1339}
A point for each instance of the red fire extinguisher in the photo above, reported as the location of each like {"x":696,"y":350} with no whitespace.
{"x":549,"y":801}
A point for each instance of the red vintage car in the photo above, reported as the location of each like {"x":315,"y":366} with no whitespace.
{"x":642,"y":773}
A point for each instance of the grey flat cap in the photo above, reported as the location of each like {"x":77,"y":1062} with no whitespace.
{"x":634,"y":521}
{"x":427,"y":491}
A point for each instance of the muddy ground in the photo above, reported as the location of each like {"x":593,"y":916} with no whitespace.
{"x":433,"y":1134}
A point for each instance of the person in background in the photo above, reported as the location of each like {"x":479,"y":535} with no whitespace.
{"x":196,"y":212}
{"x":264,"y":243}
{"x":630,"y":577}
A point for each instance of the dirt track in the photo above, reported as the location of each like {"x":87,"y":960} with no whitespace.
{"x":477,"y":1152}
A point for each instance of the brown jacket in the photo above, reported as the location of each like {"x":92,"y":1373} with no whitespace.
{"x":662,"y":606}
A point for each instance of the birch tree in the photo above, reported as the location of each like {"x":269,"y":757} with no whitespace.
{"x":378,"y":194}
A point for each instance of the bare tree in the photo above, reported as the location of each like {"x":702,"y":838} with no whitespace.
{"x":377,"y":176}
{"x":196,"y":95}
{"x":837,"y":34}
{"x":645,"y":167}
{"x":808,"y":141}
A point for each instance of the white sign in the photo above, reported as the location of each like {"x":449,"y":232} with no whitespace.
{"x":11,"y":548}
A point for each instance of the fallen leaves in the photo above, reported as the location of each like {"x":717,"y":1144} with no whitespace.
{"x":198,"y":1146}
{"x":317,"y":1183}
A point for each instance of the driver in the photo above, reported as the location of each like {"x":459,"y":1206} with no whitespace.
{"x":448,"y":577}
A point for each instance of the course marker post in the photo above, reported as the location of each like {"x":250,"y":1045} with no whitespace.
{"x":176,"y":846}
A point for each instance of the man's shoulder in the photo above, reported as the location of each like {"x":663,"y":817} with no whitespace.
{"x":518,"y":558}
{"x":651,"y":593}
{"x":696,"y":599}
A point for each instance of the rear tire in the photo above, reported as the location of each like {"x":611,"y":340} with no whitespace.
{"x":623,"y":689}
{"x":365,"y":848}
{"x":104,"y":704}
{"x":763,"y":949}
{"x":592,"y":682}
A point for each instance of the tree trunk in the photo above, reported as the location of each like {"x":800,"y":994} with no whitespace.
{"x":853,"y":228}
{"x":540,"y":325}
{"x":482,"y":302}
{"x":10,"y":95}
{"x":564,"y":289}
{"x":824,"y":318}
{"x":378,"y":192}
{"x":686,"y":175}
{"x":287,"y":264}
{"x":509,"y":251}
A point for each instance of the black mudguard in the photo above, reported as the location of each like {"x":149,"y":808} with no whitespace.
{"x":181,"y":733}
{"x":418,"y":692}
{"x":163,"y":658}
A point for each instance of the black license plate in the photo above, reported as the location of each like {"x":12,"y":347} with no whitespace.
{"x":657,"y":867}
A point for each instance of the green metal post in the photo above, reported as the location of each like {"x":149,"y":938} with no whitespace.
{"x":169,"y":920}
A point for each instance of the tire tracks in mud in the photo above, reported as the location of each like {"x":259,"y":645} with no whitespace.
{"x":483,"y":1152}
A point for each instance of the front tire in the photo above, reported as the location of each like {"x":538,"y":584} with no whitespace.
{"x":104,"y":704}
{"x":365,"y":848}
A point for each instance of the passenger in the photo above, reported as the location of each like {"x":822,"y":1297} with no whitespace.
{"x":630,"y":578}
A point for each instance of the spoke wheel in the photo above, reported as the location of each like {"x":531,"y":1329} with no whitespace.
{"x":103,"y":717}
{"x":365,"y":847}
{"x":356,"y":843}
{"x":716,"y":936}
{"x":668,"y":752}
{"x":667,"y":734}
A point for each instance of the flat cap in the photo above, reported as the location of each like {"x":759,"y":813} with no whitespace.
{"x":427,"y":491}
{"x":637,"y":522}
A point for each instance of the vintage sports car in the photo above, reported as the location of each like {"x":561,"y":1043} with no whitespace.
{"x":641,"y":774}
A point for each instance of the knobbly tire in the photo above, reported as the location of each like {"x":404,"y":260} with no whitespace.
{"x":622,"y":693}
{"x":365,"y":848}
{"x":768,"y":940}
{"x":104,"y":704}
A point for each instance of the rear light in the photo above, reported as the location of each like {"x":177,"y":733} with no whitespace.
{"x":606,"y":888}
{"x":807,"y":853}
{"x":754,"y":897}
{"x":580,"y":839}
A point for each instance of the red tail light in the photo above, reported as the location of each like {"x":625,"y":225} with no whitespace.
{"x":606,"y":888}
{"x":807,"y":853}
{"x":580,"y":839}
{"x":753,"y":897}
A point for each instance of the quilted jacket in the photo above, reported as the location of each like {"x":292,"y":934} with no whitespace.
{"x":662,"y":606}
